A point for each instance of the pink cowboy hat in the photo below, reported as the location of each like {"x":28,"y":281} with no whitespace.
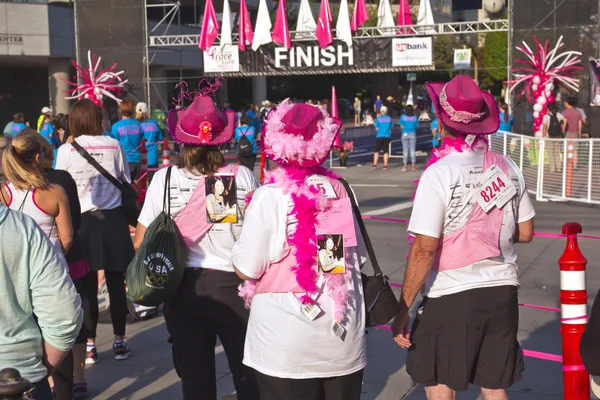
{"x":299,"y":135}
{"x":202,"y":123}
{"x":463,"y":107}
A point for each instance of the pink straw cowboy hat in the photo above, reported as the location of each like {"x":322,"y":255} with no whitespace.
{"x":299,"y":135}
{"x":202,"y":123}
{"x":463,"y":107}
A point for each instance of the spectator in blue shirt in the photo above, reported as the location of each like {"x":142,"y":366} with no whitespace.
{"x":18,"y":124}
{"x":377,"y":106}
{"x":246,"y":149}
{"x":506,"y":120}
{"x":435,"y":132}
{"x":383,"y":124}
{"x":409,"y":122}
{"x":152,"y":135}
{"x":129,"y":133}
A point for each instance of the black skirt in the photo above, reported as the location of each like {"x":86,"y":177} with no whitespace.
{"x":106,"y":240}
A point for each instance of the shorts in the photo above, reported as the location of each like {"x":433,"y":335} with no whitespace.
{"x":467,"y":337}
{"x":382,"y":144}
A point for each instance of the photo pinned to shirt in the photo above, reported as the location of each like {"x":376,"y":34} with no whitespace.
{"x":331,"y":253}
{"x":221,"y":199}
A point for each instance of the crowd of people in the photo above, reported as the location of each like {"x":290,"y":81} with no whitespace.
{"x":272,"y":271}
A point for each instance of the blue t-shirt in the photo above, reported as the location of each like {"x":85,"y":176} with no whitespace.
{"x":378,"y":104}
{"x":129,"y":133}
{"x":18,"y":127}
{"x":506,"y":126}
{"x":152,"y":134}
{"x":249,"y":132}
{"x":409,"y":124}
{"x":47,"y":132}
{"x":435,"y":140}
{"x":384,"y":124}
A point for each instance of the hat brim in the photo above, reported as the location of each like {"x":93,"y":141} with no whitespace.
{"x":174,"y":124}
{"x":489,"y":125}
{"x":595,"y":385}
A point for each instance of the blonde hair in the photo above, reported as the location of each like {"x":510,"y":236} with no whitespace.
{"x":142,"y":117}
{"x":19,"y":162}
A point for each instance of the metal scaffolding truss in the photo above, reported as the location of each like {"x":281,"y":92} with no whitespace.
{"x":448,"y":28}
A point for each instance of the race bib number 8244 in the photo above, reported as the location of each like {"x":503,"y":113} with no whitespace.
{"x":494,"y":188}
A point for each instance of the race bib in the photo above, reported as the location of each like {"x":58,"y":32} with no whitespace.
{"x":323,"y":185}
{"x":338,"y":219}
{"x":494,"y":188}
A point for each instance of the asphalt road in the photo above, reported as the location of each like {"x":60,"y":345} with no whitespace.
{"x":149,"y":373}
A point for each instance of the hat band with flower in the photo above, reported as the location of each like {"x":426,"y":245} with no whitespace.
{"x":463,"y":117}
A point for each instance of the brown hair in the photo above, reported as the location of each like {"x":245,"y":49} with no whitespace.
{"x":504,"y":108}
{"x":85,"y":118}
{"x":127,"y":108}
{"x":20,"y":166}
{"x":201,"y":159}
{"x":18,"y":117}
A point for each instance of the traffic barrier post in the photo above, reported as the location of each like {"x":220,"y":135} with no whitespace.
{"x":573,"y":305}
{"x":166,"y":153}
{"x":263,"y":164}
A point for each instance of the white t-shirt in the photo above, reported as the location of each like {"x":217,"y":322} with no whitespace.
{"x":95,"y":191}
{"x":281,"y":341}
{"x":213,"y":250}
{"x":443,"y":205}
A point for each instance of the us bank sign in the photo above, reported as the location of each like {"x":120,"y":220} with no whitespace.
{"x":366,"y":55}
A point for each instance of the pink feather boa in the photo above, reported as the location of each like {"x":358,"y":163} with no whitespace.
{"x":307,"y":204}
{"x":281,"y":146}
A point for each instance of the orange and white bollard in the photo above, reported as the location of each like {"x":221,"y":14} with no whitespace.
{"x":166,"y":153}
{"x":263,"y":165}
{"x":573,"y":306}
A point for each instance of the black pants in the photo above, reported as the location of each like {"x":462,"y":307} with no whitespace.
{"x":41,"y":390}
{"x":206,"y":306}
{"x":87,"y":287}
{"x":115,"y":284}
{"x":150,"y":174}
{"x":347,"y":387}
{"x":134,"y":170}
{"x":247,"y":162}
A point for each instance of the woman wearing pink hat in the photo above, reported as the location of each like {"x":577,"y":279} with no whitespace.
{"x":306,"y":333}
{"x":471,"y":206}
{"x":207,"y":304}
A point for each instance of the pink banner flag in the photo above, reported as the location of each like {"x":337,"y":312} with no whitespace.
{"x":281,"y":31}
{"x":324,"y":34}
{"x":359,"y":16}
{"x":245,"y":35}
{"x":210,"y":27}
{"x":404,"y":18}
{"x":334,"y":113}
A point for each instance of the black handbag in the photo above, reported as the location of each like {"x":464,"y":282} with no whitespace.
{"x":381,"y":304}
{"x":129,"y":191}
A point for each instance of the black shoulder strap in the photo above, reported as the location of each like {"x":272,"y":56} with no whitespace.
{"x":363,"y":228}
{"x":167,"y":193}
{"x":96,"y":165}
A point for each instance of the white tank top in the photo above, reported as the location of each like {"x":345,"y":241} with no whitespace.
{"x":23,"y":201}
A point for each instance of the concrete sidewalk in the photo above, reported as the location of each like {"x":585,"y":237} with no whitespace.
{"x":149,"y":373}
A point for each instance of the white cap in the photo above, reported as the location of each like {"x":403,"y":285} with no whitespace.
{"x":266,"y":102}
{"x":383,"y":109}
{"x":46,"y":110}
{"x":141,"y":108}
{"x":595,"y":385}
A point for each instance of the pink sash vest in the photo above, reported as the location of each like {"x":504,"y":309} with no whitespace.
{"x":192,"y":222}
{"x":480,"y":237}
{"x":280,"y":277}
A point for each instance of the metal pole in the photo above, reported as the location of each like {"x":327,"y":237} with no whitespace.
{"x":147,"y":55}
{"x":76,"y":26}
{"x":509,"y":50}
